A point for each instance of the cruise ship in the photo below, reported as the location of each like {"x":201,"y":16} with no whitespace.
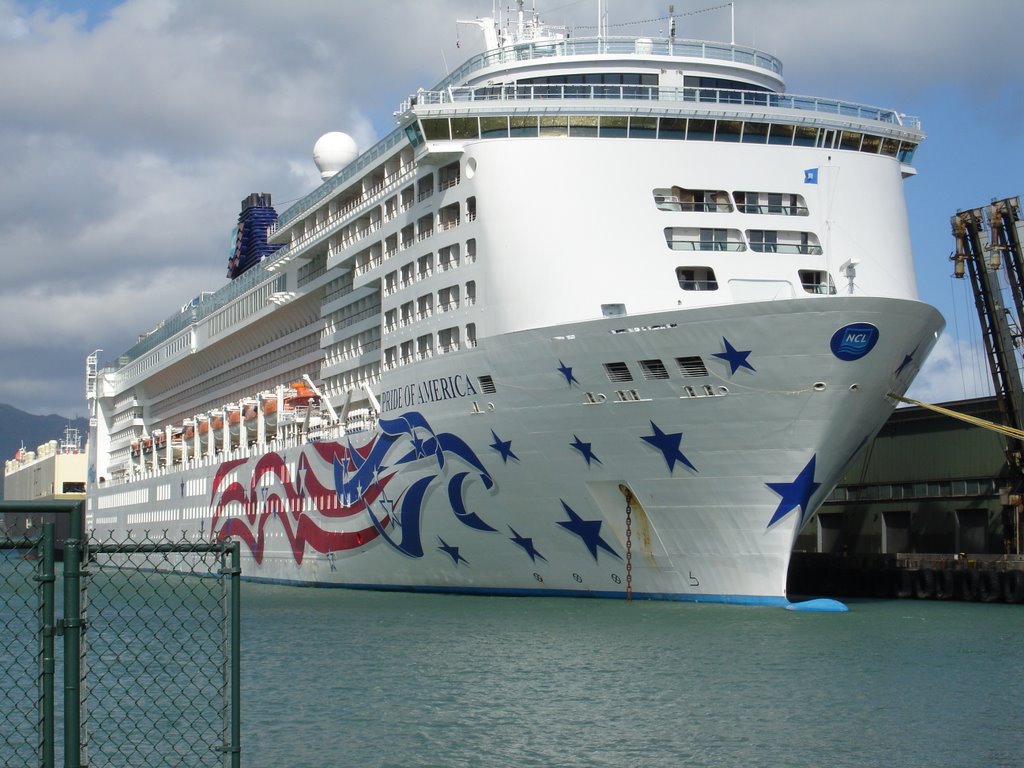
{"x":601,"y":316}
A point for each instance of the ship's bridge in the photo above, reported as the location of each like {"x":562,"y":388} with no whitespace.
{"x":666,"y":62}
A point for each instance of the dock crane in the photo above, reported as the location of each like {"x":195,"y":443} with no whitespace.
{"x":988,"y":250}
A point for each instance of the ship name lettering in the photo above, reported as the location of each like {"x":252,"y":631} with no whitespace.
{"x":428,"y":391}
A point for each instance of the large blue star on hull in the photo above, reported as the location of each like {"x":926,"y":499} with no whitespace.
{"x":589,"y":532}
{"x":585,"y":449}
{"x":526,"y":544}
{"x":734,"y":357}
{"x":795,"y":494}
{"x":668,"y":444}
{"x":452,"y":552}
{"x":907,"y":360}
{"x":504,"y":447}
{"x":566,"y":371}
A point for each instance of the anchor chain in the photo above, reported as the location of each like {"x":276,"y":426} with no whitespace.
{"x":629,"y":547}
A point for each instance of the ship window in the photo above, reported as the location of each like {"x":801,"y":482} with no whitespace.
{"x":770,"y":241}
{"x":701,"y":130}
{"x":583,"y":125}
{"x":465,"y":128}
{"x":781,"y":134}
{"x":763,"y":241}
{"x":666,"y":200}
{"x":850,"y":140}
{"x":871,"y":144}
{"x":691,"y":366}
{"x":675,"y":128}
{"x":470,"y":334}
{"x":425,"y":347}
{"x":755,"y":133}
{"x":436,"y":129}
{"x":699,"y":200}
{"x":448,"y":340}
{"x":703,"y":239}
{"x":653,"y":369}
{"x":770,"y":202}
{"x":487,"y":384}
{"x":906,"y":153}
{"x":414,"y":134}
{"x":618,"y":372}
{"x":522,"y":125}
{"x":890,"y":147}
{"x":805,"y":136}
{"x":826,"y":138}
{"x":643,"y":127}
{"x":697,"y":278}
{"x":494,"y":127}
{"x":554,"y":125}
{"x":614,"y":126}
{"x":817,"y":281}
{"x":728,"y":130}
{"x":407,"y":351}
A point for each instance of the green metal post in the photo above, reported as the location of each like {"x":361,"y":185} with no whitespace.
{"x":72,"y":639}
{"x":236,"y":654}
{"x":46,"y":578}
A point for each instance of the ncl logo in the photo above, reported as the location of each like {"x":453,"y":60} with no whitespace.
{"x":852,"y":342}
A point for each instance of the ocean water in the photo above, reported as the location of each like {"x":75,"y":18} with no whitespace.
{"x":350,"y":678}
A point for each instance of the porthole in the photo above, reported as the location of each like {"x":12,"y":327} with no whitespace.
{"x":471,"y":168}
{"x":819,"y":386}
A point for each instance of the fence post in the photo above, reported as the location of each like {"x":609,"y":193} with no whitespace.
{"x":46,"y":577}
{"x":72,"y":624}
{"x":236,"y":655}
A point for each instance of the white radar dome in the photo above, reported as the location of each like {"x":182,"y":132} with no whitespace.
{"x":332,"y":152}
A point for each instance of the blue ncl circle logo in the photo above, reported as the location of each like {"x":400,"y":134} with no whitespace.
{"x":854,"y":341}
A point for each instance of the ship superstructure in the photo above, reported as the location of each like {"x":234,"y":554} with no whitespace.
{"x":601,"y":315}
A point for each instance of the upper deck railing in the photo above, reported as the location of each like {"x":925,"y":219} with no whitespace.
{"x":599,"y":46}
{"x":546,"y":94}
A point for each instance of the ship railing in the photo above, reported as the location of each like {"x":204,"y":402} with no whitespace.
{"x":598,"y":46}
{"x":666,"y":95}
{"x":705,"y":245}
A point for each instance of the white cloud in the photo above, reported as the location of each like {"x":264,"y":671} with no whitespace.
{"x":130,"y":136}
{"x":957,"y":369}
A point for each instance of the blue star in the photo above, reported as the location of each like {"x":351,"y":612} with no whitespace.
{"x":734,"y":357}
{"x":584,"y":448}
{"x":527,"y":545}
{"x":503,"y":447}
{"x":566,"y":371}
{"x":907,"y":360}
{"x":668,"y":444}
{"x":452,"y":552}
{"x":588,"y":530}
{"x":795,"y":494}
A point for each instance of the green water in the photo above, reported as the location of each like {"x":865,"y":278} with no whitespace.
{"x":339,"y":678}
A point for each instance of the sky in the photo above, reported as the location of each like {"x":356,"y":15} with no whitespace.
{"x":130,"y":132}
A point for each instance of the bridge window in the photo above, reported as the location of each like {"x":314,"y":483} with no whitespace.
{"x":436,"y":129}
{"x":755,"y":133}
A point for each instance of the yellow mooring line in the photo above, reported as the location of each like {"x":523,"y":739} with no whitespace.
{"x":1001,"y":429}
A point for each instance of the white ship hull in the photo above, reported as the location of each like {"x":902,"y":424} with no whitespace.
{"x":520,"y":491}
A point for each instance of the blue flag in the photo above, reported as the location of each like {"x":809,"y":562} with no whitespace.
{"x":811,"y":176}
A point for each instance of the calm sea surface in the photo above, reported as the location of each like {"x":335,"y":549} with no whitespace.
{"x":340,"y":678}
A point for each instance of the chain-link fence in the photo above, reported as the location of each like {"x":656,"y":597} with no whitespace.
{"x":150,"y":652}
{"x":21,"y":657}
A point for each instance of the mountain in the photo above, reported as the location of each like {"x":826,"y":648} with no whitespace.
{"x":18,"y":427}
